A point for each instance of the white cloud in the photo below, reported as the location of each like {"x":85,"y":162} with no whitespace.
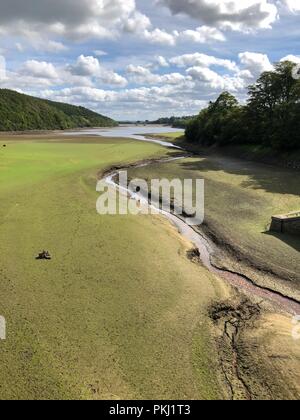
{"x":2,"y":68}
{"x":202,"y":60}
{"x":213,"y":81}
{"x":142,"y":75}
{"x":153,"y":95}
{"x":293,"y":5}
{"x":52,"y":46}
{"x":109,"y":77}
{"x":40,"y":69}
{"x":40,"y":43}
{"x":255,"y":63}
{"x":234,"y":14}
{"x":139,"y":71}
{"x":88,"y":66}
{"x":70,"y":18}
{"x":292,"y":58}
{"x":161,"y":61}
{"x":202,"y":35}
{"x":136,"y":103}
{"x":100,"y":53}
{"x":202,"y":78}
{"x":85,"y":72}
{"x":83,"y":19}
{"x":158,"y":36}
{"x":19,"y":47}
{"x":137,"y":23}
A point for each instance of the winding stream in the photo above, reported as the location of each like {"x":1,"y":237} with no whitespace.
{"x":202,"y":243}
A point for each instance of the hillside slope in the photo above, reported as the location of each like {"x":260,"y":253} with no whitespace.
{"x":20,"y":112}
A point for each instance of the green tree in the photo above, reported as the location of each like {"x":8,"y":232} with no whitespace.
{"x":217,"y":123}
{"x":270,"y":118}
{"x":23,"y":112}
{"x":273,"y":107}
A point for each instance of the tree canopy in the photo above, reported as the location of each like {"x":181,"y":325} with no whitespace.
{"x":176,"y":122}
{"x":270,"y":118}
{"x":22,"y":112}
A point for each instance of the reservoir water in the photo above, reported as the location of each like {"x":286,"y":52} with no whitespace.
{"x":137,"y":132}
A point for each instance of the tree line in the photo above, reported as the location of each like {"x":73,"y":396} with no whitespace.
{"x":22,"y":112}
{"x":175,"y":122}
{"x":270,"y":118}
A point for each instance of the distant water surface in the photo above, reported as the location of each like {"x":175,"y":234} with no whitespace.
{"x":136,"y":132}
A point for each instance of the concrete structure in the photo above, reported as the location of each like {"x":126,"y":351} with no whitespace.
{"x":286,"y":223}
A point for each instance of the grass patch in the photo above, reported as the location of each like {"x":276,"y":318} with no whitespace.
{"x":176,"y":135}
{"x":173,"y":137}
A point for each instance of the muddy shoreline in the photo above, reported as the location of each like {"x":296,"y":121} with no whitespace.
{"x":207,"y":251}
{"x":283,"y":281}
{"x":287,"y":161}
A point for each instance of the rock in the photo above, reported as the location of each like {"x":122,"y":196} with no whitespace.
{"x":194,"y":255}
{"x":45,"y":255}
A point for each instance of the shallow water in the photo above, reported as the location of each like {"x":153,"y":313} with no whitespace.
{"x":137,"y":132}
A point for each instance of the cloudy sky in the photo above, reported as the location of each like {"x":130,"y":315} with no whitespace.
{"x":143,"y":59}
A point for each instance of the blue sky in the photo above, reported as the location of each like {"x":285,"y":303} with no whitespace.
{"x":143,"y":59}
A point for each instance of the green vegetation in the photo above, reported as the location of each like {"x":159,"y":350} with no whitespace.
{"x":270,"y":119}
{"x":173,"y":138}
{"x":20,"y":112}
{"x":96,"y":322}
{"x":176,"y":122}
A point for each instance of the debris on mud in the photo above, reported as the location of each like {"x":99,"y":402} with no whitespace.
{"x":241,"y":312}
{"x":44,"y":255}
{"x":233,"y":318}
{"x":194,"y":255}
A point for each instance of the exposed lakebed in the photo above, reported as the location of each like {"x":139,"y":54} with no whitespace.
{"x":200,"y":241}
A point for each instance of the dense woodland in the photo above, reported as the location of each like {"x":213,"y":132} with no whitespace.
{"x":271,"y":117}
{"x":20,"y":112}
{"x":176,"y":122}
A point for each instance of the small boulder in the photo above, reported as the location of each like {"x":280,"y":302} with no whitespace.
{"x":45,"y":255}
{"x":194,"y":255}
